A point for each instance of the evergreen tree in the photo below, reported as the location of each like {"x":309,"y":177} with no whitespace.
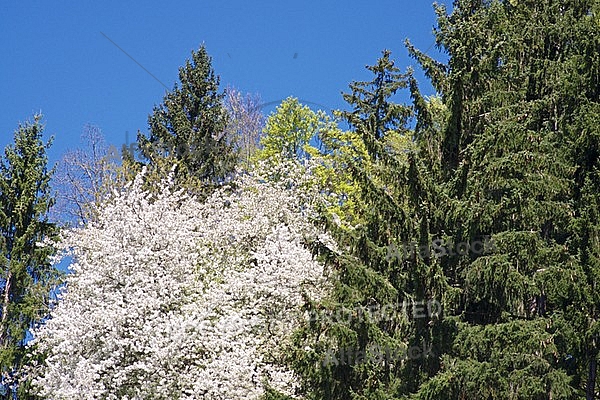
{"x":189,"y":128}
{"x":372,"y":338}
{"x":521,"y":78}
{"x":27,"y":274}
{"x":509,"y":153}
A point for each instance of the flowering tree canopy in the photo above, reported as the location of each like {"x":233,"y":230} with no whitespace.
{"x":174,"y":298}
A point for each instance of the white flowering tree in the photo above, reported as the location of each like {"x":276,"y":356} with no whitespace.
{"x":175,"y":299}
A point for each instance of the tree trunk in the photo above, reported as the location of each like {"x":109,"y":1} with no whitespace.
{"x":3,"y":327}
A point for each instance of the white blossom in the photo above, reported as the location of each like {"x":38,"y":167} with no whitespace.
{"x":170,"y":298}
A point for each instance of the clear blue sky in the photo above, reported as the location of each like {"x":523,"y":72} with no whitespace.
{"x":54,"y":58}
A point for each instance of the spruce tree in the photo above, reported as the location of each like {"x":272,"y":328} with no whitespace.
{"x":361,"y":342}
{"x":188,"y":129}
{"x":509,"y":154}
{"x":27,"y":274}
{"x":521,"y":78}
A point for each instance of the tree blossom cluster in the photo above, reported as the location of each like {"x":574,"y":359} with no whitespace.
{"x":172,"y":298}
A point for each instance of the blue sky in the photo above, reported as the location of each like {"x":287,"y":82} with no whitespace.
{"x":55,"y":59}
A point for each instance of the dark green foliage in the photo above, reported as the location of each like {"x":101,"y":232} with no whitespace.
{"x":188,"y":128}
{"x":511,"y":153}
{"x":373,"y":115}
{"x":370,"y":353}
{"x":515,"y":85}
{"x":27,"y":274}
